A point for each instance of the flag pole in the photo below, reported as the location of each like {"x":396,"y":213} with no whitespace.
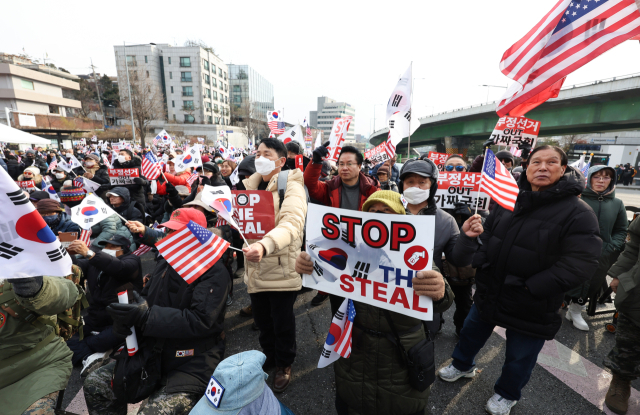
{"x":409,"y":142}
{"x":481,"y":170}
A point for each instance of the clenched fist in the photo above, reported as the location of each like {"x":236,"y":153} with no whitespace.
{"x":429,"y":283}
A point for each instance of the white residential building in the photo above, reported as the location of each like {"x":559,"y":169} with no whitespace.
{"x":328,"y":110}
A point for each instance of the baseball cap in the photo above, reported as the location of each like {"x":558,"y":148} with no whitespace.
{"x":180,"y":217}
{"x":424,"y":168}
{"x":118,"y":240}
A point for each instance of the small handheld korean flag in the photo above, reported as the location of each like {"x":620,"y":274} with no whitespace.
{"x":64,"y":165}
{"x":214,"y":392}
{"x":190,"y":158}
{"x":73,"y":161}
{"x":91,"y":211}
{"x":329,"y":353}
{"x":47,"y":187}
{"x":28,"y":247}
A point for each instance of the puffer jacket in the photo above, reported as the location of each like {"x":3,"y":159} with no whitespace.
{"x":137,"y":190}
{"x":66,"y":225}
{"x":14,"y":168}
{"x":329,"y":193}
{"x":129,"y":209}
{"x":108,"y":228}
{"x":627,"y":271}
{"x":374,"y":380}
{"x":612,"y":220}
{"x":530,"y":257}
{"x":276,"y":270}
{"x":35,"y":162}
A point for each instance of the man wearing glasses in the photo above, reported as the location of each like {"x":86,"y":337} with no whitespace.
{"x":348,"y":190}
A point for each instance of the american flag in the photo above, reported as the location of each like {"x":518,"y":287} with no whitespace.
{"x":343,"y":347}
{"x":53,"y":165}
{"x":275,"y":125}
{"x":573,"y":33}
{"x":85,"y":236}
{"x":150,"y":166}
{"x":497,"y":182}
{"x":194,"y":176}
{"x":143,"y":249}
{"x":192,"y":251}
{"x":389,"y":147}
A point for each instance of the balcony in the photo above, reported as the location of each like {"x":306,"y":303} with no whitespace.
{"x":186,"y":79}
{"x":55,"y":124}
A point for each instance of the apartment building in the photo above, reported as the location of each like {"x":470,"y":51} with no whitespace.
{"x":327,"y":111}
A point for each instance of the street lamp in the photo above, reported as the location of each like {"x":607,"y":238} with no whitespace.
{"x":492,"y":86}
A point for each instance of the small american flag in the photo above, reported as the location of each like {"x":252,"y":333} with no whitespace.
{"x":85,"y":236}
{"x":150,"y":167}
{"x":143,"y":249}
{"x":343,"y":347}
{"x":53,"y":165}
{"x":497,"y":182}
{"x":77,"y":183}
{"x":194,"y":176}
{"x":192,"y":251}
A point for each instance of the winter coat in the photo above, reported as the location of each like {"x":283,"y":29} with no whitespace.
{"x":190,"y":317}
{"x":390,"y":185}
{"x":282,"y":244}
{"x":329,"y":193}
{"x":3,"y":165}
{"x":627,"y":271}
{"x":108,"y":228}
{"x":613,"y":222}
{"x":66,"y":225}
{"x":137,"y":190}
{"x":14,"y":168}
{"x":57,"y":183}
{"x":105,"y":274}
{"x":35,"y":162}
{"x":374,"y":380}
{"x":530,"y":257}
{"x":100,"y":175}
{"x":129,"y":209}
{"x":47,"y":370}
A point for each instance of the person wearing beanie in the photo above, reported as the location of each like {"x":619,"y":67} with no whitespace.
{"x":31,"y":173}
{"x":31,"y":159}
{"x":56,"y":218}
{"x":245,"y":389}
{"x":95,"y":170}
{"x":71,"y":195}
{"x":383,"y":176}
{"x":187,"y":318}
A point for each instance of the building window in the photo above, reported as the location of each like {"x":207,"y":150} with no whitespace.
{"x":131,"y":61}
{"x":27,"y":84}
{"x":215,"y":108}
{"x":207,"y":105}
{"x":237,"y":98}
{"x":172,"y":90}
{"x":215,"y":95}
{"x":225,"y":87}
{"x":220,"y":72}
{"x":173,"y":104}
{"x":174,"y":117}
{"x":207,"y":80}
{"x":54,"y":109}
{"x":237,"y":88}
{"x":170,"y":75}
{"x":209,"y":119}
{"x":189,"y":118}
{"x":225,"y":76}
{"x":206,"y":64}
{"x":188,"y":105}
{"x":207,"y":93}
{"x":225,"y":100}
{"x":185,"y":62}
{"x":213,"y":68}
{"x":187,"y":91}
{"x":214,"y":82}
{"x":185,"y":76}
{"x":145,"y":59}
{"x":147,"y":74}
{"x":221,"y":85}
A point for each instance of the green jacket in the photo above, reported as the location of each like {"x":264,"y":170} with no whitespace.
{"x":627,"y":270}
{"x":374,"y":380}
{"x":108,"y":228}
{"x":46,"y":371}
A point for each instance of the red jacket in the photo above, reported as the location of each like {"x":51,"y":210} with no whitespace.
{"x":329,"y":193}
{"x":174,"y":180}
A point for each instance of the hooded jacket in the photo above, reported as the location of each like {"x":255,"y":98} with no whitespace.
{"x":129,"y":209}
{"x":137,"y":189}
{"x":530,"y":257}
{"x":14,"y":168}
{"x":282,"y":244}
{"x":35,"y":162}
{"x":329,"y":193}
{"x":65,"y":224}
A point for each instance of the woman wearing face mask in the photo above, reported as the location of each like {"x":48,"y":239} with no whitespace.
{"x":57,"y":178}
{"x":419,"y":183}
{"x":56,"y":218}
{"x":600,"y":194}
{"x":31,"y":174}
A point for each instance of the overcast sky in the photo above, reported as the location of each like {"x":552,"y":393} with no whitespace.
{"x":351,"y":51}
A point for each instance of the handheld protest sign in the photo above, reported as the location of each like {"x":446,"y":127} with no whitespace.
{"x":338,"y":134}
{"x":123,"y":176}
{"x":370,"y":258}
{"x":512,"y":131}
{"x":66,"y":238}
{"x":456,"y":187}
{"x":300,"y":162}
{"x":378,"y":154}
{"x":255,"y":212}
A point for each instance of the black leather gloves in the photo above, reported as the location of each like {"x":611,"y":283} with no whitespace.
{"x":128,"y":315}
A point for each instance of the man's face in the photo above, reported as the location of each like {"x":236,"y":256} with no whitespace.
{"x":115,"y":200}
{"x":507,"y":163}
{"x":545,"y":169}
{"x":455,"y":162}
{"x":31,"y":156}
{"x":391,"y":161}
{"x":380,"y":207}
{"x":116,"y":248}
{"x":348,"y":167}
{"x":126,"y":155}
{"x":415,"y":180}
{"x":266,"y":152}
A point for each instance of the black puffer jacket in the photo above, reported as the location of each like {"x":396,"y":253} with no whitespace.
{"x":130,"y":209}
{"x":105,"y":274}
{"x":35,"y":162}
{"x":190,"y":317}
{"x":530,"y":257}
{"x":137,"y":190}
{"x":14,"y":168}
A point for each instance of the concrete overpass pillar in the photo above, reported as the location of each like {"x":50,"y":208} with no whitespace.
{"x":457,"y":145}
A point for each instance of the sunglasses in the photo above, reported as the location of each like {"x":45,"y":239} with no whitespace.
{"x":458,"y":168}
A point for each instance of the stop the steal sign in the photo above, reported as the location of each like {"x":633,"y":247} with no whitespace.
{"x":255,"y":215}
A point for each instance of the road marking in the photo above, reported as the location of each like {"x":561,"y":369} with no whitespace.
{"x":578,"y":373}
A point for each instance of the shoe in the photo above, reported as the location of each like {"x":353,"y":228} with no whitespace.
{"x":246,"y":311}
{"x":319,"y":299}
{"x":574,"y":314}
{"x":282,"y":379}
{"x":229,"y":300}
{"x":497,"y":405}
{"x":239,"y":273}
{"x":269,"y":363}
{"x":617,"y":398}
{"x":93,"y":362}
{"x":451,"y":374}
{"x":254,"y":326}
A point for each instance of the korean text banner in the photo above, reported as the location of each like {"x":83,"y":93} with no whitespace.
{"x":255,"y":212}
{"x":370,"y":257}
{"x":512,"y":131}
{"x":378,"y":154}
{"x":123,"y":176}
{"x":462,"y":187}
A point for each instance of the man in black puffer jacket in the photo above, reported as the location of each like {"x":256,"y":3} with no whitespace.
{"x":529,"y":258}
{"x":126,"y":160}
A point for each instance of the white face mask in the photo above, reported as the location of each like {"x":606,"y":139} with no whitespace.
{"x":59,"y":175}
{"x":264,"y":166}
{"x":88,"y":163}
{"x":111,"y":252}
{"x":121,"y":159}
{"x":415,"y":195}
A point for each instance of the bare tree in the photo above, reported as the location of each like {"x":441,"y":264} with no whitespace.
{"x":191,"y":110}
{"x":567,"y":142}
{"x":147,"y":101}
{"x":249,"y":118}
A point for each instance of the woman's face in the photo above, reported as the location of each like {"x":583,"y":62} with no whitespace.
{"x":601,"y":180}
{"x":27,"y":175}
{"x":225,"y":169}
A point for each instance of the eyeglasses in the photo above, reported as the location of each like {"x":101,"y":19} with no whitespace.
{"x":349,"y":165}
{"x":458,"y":168}
{"x":602,"y":178}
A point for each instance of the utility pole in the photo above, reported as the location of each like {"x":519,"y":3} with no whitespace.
{"x":93,"y":68}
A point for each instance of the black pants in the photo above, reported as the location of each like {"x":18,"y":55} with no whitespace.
{"x":626,"y":180}
{"x":273,"y":314}
{"x":343,"y":409}
{"x":336,"y":301}
{"x":237,"y":243}
{"x":464,"y":301}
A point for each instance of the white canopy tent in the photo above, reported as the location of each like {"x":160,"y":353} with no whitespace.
{"x":15,"y":136}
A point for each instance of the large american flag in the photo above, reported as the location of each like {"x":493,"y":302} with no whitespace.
{"x":150,"y":166}
{"x":497,"y":182}
{"x":192,"y":250}
{"x":343,"y":347}
{"x":573,"y":33}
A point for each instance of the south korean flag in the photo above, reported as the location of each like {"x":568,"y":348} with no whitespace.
{"x":190,"y":158}
{"x":214,"y":392}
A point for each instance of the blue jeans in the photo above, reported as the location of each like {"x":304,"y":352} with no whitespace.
{"x":521,"y":354}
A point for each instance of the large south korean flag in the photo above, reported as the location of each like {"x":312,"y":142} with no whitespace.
{"x":28,"y":248}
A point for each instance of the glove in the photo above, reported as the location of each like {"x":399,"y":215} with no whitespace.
{"x":320,"y":153}
{"x":526,"y":150}
{"x":487,"y":143}
{"x":463,"y":210}
{"x":27,"y":287}
{"x":120,"y":330}
{"x":138,"y":180}
{"x":128,"y":315}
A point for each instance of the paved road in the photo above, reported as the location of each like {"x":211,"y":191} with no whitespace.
{"x":629,"y":197}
